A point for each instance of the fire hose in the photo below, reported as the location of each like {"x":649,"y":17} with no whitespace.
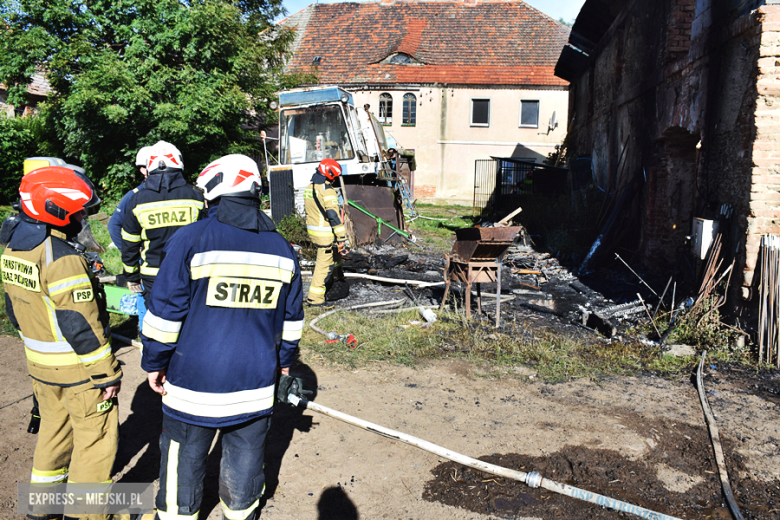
{"x":532,"y":479}
{"x":349,"y":339}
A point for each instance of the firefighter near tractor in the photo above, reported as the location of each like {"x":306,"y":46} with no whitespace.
{"x":324,"y":123}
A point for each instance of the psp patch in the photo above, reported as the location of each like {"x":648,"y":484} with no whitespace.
{"x":104,"y":405}
{"x":83,"y":295}
{"x":243,"y":293}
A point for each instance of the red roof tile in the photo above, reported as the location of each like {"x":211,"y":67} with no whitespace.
{"x":474,"y":42}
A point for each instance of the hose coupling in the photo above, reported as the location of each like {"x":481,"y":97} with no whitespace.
{"x":533,"y":479}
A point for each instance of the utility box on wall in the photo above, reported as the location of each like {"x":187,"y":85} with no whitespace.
{"x":702,"y":236}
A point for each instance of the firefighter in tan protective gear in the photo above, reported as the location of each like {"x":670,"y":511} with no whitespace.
{"x":325,"y":229}
{"x":59,"y":309}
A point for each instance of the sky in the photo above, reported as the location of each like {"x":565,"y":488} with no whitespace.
{"x":566,"y":9}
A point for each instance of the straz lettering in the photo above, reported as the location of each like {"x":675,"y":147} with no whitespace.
{"x":243,"y":293}
{"x":21,"y":273}
{"x":166,"y":217}
{"x":83,"y":295}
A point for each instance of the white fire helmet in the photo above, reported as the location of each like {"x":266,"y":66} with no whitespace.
{"x":141,"y":158}
{"x":233,"y":175}
{"x":163,"y":157}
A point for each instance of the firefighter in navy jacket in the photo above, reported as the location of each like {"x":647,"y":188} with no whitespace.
{"x":161,"y":207}
{"x":225,"y":314}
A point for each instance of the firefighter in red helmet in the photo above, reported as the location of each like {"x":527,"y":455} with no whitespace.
{"x":325,"y":229}
{"x":59,"y":309}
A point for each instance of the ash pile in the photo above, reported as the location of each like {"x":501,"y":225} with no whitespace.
{"x":535,"y":287}
{"x":366,"y":269}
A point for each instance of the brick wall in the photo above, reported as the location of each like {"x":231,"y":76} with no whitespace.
{"x":678,"y":36}
{"x":670,"y":197}
{"x":764,"y":216}
{"x":677,"y":81}
{"x":423,"y":191}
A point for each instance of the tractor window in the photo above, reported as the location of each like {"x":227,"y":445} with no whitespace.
{"x":314,"y":133}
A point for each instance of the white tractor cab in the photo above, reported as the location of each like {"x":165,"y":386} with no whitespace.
{"x":323,"y":122}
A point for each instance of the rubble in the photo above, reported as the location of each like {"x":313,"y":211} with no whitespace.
{"x":544,"y":289}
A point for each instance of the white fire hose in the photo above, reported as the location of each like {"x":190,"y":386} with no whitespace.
{"x":532,"y":479}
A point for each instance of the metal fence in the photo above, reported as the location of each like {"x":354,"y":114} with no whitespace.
{"x":484,"y":185}
{"x":500,"y":183}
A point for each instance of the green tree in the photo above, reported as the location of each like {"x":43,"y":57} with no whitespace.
{"x":126,"y":73}
{"x":19,"y":138}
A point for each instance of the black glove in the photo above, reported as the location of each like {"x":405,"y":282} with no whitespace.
{"x":290,"y":385}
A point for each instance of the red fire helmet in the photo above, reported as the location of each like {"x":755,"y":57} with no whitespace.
{"x":53,"y":193}
{"x":329,"y":168}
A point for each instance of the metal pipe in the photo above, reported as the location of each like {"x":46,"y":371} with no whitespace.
{"x":663,"y":294}
{"x":716,"y":446}
{"x":532,"y":479}
{"x":640,"y":278}
{"x":649,"y":316}
{"x":124,"y":339}
{"x":418,"y":283}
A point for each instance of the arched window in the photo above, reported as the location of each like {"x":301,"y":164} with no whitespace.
{"x":385,"y":109}
{"x":401,"y":59}
{"x":409,"y":116}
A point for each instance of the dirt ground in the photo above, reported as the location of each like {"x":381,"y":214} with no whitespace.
{"x":640,"y":439}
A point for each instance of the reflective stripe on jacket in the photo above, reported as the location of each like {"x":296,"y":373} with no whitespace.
{"x":59,"y":310}
{"x":325,"y":228}
{"x":164,"y":204}
{"x":225,"y":312}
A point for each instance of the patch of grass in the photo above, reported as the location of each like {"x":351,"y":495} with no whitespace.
{"x":388,"y":337}
{"x":668,"y":364}
{"x":6,"y":329}
{"x":554,"y":356}
{"x":436,"y":225}
{"x":112,"y":257}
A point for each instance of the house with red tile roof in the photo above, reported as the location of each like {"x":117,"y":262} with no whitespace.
{"x":37,"y":91}
{"x":454,"y":80}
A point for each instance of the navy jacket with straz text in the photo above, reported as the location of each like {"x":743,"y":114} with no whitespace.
{"x":225,"y":312}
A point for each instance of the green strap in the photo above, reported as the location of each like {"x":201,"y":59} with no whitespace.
{"x":379,"y":221}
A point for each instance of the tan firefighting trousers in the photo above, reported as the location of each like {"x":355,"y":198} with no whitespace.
{"x":328,"y":260}
{"x":78,"y":438}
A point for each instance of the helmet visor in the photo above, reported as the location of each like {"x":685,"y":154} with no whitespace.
{"x":93,"y":204}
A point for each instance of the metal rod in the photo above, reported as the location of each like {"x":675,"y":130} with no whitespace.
{"x":498,"y":292}
{"x":640,"y":278}
{"x":648,"y":315}
{"x":663,"y":294}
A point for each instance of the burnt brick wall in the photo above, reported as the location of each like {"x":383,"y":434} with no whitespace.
{"x":678,"y":37}
{"x":687,"y":90}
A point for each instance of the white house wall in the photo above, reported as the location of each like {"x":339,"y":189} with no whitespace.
{"x":447,"y":145}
